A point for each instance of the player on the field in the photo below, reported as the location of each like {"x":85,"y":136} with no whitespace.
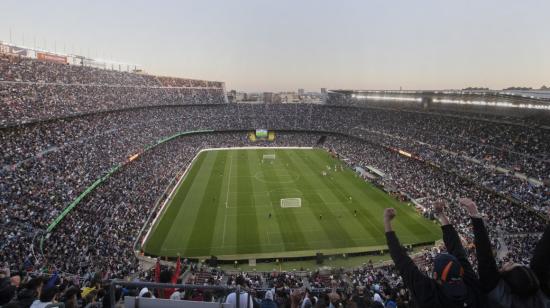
{"x":355,"y":213}
{"x":269,"y":215}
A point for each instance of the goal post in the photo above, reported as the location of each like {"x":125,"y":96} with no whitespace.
{"x":291,"y":202}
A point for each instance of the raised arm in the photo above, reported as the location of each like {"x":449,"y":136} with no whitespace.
{"x":487,"y":266}
{"x":539,"y":262}
{"x":451,"y":238}
{"x":420,"y":285}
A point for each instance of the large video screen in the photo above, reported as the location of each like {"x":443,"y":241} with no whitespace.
{"x":261,"y":133}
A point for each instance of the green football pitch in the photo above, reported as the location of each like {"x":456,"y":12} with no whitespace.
{"x":229,"y":205}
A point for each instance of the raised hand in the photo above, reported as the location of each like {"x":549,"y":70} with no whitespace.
{"x":470,"y":206}
{"x":389,"y":214}
{"x":296,"y":296}
{"x":439,"y":206}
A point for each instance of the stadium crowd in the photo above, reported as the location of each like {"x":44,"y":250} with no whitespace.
{"x":32,"y":90}
{"x":22,"y":69}
{"x":46,"y":164}
{"x":83,"y":245}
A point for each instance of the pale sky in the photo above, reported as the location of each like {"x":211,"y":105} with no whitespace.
{"x":256,"y":45}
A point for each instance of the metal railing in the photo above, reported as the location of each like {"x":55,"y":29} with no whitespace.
{"x":225,"y":289}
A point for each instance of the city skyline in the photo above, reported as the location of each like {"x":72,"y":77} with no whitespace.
{"x":258,"y":46}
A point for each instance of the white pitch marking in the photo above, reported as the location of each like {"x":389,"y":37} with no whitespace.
{"x":228,"y":184}
{"x":224,"y":224}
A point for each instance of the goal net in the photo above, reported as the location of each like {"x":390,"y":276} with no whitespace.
{"x":291,"y":202}
{"x":268,"y":157}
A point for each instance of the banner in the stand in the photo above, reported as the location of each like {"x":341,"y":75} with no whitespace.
{"x":51,"y":58}
{"x":13,"y":50}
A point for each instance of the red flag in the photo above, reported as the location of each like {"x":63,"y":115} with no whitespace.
{"x":175,"y":275}
{"x":177,"y":271}
{"x":157,"y":271}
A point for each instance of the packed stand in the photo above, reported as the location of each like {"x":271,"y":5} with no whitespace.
{"x":46,"y":165}
{"x":33,"y":90}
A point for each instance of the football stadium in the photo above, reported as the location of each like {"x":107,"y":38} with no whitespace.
{"x":198,"y":178}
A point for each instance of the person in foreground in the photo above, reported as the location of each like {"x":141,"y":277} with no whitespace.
{"x":515,"y":285}
{"x":245,"y":299}
{"x":454,"y":282}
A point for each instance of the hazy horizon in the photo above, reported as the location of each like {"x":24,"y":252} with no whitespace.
{"x":260,"y":46}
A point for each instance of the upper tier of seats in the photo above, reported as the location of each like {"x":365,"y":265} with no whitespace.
{"x":33,"y":90}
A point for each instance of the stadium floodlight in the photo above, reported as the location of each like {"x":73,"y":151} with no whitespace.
{"x":389,"y":98}
{"x":492,"y":104}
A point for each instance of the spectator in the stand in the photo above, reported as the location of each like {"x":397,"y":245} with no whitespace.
{"x":8,"y":285}
{"x":306,"y":301}
{"x":515,"y":285}
{"x":377,"y":298}
{"x":390,"y":303}
{"x":70,"y":298}
{"x":454,"y":282}
{"x":268,"y":302}
{"x":48,"y":296}
{"x":30,"y":292}
{"x":245,"y":299}
{"x":144,"y":292}
{"x":359,"y":298}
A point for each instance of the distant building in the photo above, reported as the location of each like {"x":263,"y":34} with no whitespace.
{"x":276,"y":98}
{"x":235,"y":97}
{"x":289,"y":97}
{"x":241,"y":97}
{"x":301,"y":92}
{"x":268,"y":97}
{"x":231,"y":96}
{"x":324,"y":95}
{"x":272,"y":98}
{"x":252,"y":97}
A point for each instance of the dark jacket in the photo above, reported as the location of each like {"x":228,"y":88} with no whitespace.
{"x":427,"y":292}
{"x":268,"y":303}
{"x":26,"y":297}
{"x":7,"y":291}
{"x":540,"y":262}
{"x":498,"y":291}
